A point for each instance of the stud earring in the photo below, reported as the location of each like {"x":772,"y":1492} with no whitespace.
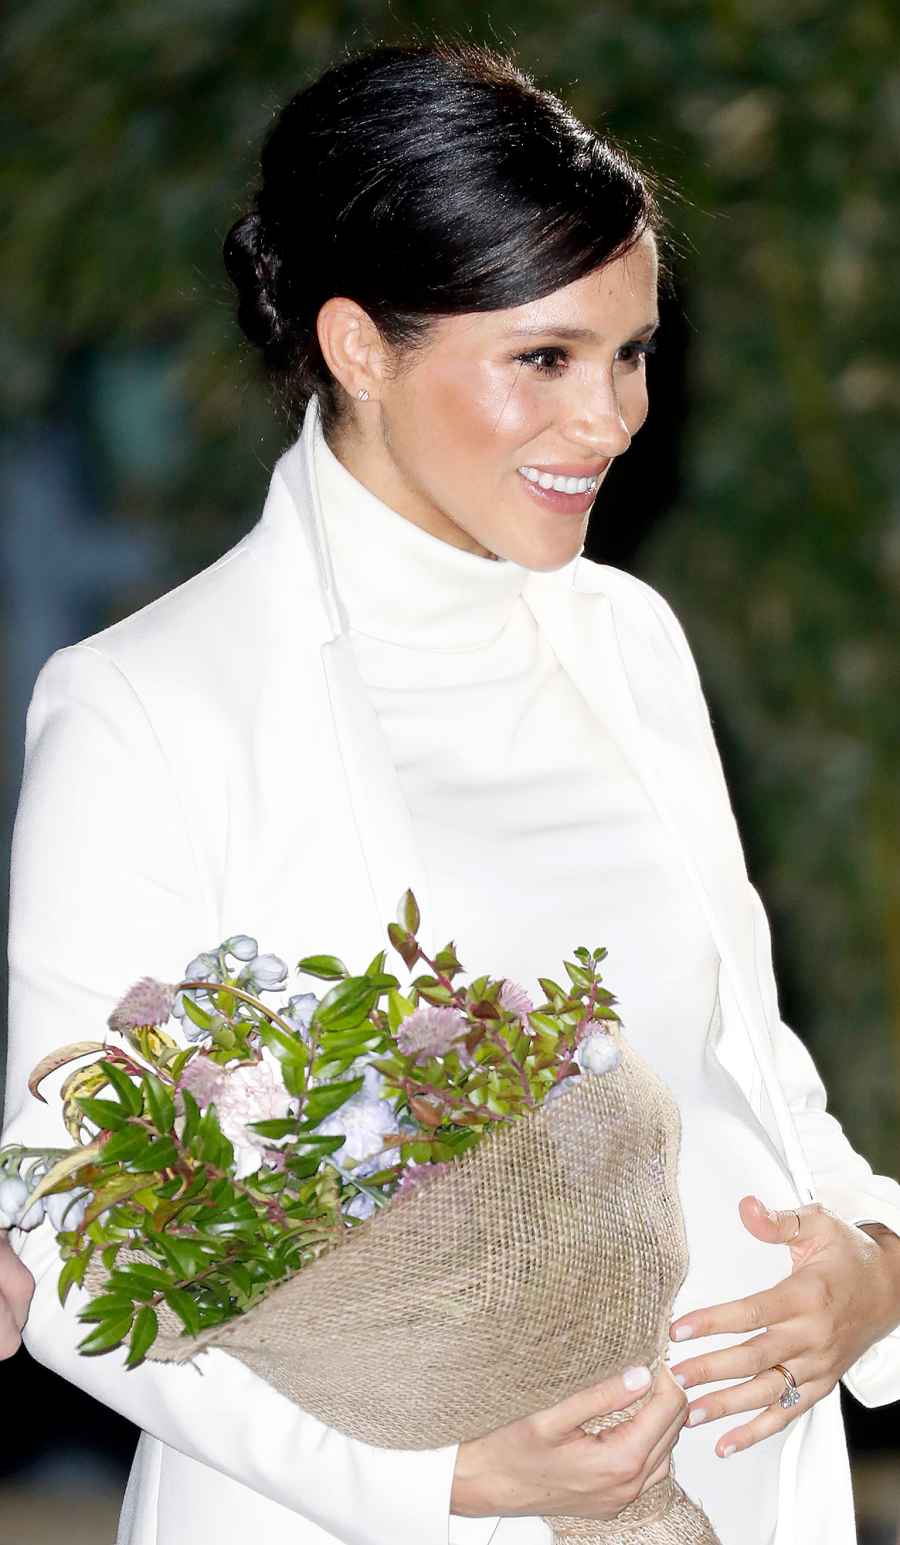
{"x":362,"y":394}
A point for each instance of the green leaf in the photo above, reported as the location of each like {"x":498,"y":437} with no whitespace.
{"x":108,"y":1334}
{"x":124,"y":1144}
{"x":72,"y":1272}
{"x":106,"y":1305}
{"x":179,"y":1062}
{"x":202,"y":1020}
{"x":143,"y":1335}
{"x":185,"y":1256}
{"x":160,"y":1154}
{"x":287,"y":1048}
{"x":184,"y":1306}
{"x":107,"y":1114}
{"x":329,"y":1097}
{"x":159,"y":1103}
{"x":376,"y":964}
{"x":577,"y":975}
{"x":191,"y":1118}
{"x":328,"y":967}
{"x":129,"y":1093}
{"x":274,"y":1128}
{"x":346,"y":1005}
{"x":404,"y":944}
{"x":140,"y":1278}
{"x":408,"y":912}
{"x":399,"y":1008}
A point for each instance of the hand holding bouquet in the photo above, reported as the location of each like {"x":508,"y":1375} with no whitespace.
{"x":455,"y":1193}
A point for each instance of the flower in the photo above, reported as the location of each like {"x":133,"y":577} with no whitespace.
{"x":416,"y":1176}
{"x":66,"y":1209}
{"x":203,"y":967}
{"x":240,"y":1094}
{"x":241,"y":946}
{"x":598,"y":1053}
{"x":148,"y":1002}
{"x":515,"y":999}
{"x":300,"y":1010}
{"x":362,"y":1206}
{"x":363,"y":1121}
{"x":263,"y":971}
{"x":430,"y":1031}
{"x":13,"y":1195}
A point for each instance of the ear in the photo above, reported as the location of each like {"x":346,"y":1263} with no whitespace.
{"x":352,"y":346}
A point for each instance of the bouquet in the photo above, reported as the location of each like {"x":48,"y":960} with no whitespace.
{"x":446,"y":1177}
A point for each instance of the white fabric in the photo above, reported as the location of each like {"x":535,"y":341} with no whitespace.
{"x":538,"y":836}
{"x":212,"y":765}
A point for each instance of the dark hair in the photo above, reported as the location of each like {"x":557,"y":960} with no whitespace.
{"x":421,"y":181}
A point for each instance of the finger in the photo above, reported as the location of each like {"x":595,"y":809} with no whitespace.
{"x":785,"y":1226}
{"x":741,"y":1361}
{"x":661,"y":1452}
{"x":773,"y":1419}
{"x":9,"y":1331}
{"x":614,"y":1394}
{"x":757,"y":1312}
{"x":750,"y":1395}
{"x":651,"y":1433}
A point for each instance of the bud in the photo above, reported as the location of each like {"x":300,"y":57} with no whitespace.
{"x":241,"y":946}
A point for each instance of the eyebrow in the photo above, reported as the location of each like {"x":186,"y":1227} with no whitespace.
{"x":579,"y":334}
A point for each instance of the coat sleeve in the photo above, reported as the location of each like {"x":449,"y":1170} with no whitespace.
{"x":106,"y":888}
{"x":842,"y":1179}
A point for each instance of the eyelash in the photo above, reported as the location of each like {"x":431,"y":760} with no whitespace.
{"x":553,"y":370}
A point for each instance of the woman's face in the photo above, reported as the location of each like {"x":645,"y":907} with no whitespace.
{"x":465,"y":437}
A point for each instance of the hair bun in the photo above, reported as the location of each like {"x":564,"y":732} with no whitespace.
{"x":253,"y":267}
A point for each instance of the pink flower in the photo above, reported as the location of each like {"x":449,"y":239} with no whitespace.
{"x":430,"y":1031}
{"x":515,"y":999}
{"x":148,"y":1002}
{"x":240,"y":1094}
{"x":417,"y":1176}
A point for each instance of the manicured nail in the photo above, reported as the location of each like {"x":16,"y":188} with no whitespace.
{"x":697,"y":1416}
{"x":731,"y":1449}
{"x":636,"y":1378}
{"x":680,"y":1379}
{"x":683,"y":1333}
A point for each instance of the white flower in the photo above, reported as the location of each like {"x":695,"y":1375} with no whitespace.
{"x":362,"y":1206}
{"x":364,"y":1121}
{"x":203,"y":968}
{"x":598,"y":1053}
{"x":240,"y":1095}
{"x":263,"y":971}
{"x":13,"y":1195}
{"x":66,"y":1209}
{"x":300,"y":1010}
{"x":241,"y":946}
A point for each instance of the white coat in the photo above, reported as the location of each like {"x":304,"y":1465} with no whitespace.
{"x":211,"y":765}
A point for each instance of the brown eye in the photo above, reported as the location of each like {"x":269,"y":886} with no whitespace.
{"x":546,"y":361}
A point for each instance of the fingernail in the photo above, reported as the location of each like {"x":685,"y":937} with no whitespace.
{"x":680,"y":1379}
{"x":683,"y":1333}
{"x":698,"y":1415}
{"x":636,"y":1378}
{"x":731,"y":1449}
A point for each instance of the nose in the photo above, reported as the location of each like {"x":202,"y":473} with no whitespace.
{"x":595,"y":419}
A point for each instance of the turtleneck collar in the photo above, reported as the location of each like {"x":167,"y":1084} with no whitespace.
{"x":400,"y":584}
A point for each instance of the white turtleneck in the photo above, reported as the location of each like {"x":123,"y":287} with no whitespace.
{"x":536,"y":838}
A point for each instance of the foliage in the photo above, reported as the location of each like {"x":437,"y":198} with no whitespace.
{"x":166,"y":1207}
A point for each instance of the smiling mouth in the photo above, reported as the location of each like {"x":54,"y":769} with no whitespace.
{"x":559,"y":483}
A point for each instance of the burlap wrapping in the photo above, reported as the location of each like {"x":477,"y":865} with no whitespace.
{"x":544,"y":1260}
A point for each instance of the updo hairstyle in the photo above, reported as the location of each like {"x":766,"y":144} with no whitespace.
{"x":421,"y":181}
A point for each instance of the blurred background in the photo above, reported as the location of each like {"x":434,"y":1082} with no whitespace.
{"x":762,"y":497}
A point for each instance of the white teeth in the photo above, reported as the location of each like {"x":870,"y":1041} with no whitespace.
{"x":562,"y":485}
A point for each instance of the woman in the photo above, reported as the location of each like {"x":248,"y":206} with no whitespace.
{"x":407,"y":675}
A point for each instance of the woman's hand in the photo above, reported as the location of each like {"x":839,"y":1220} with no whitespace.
{"x":843,"y":1294}
{"x":16,"y":1288}
{"x":546,"y":1465}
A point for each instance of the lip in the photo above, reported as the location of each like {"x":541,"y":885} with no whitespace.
{"x":563,"y":504}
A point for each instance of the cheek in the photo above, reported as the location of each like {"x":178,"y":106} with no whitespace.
{"x":485,"y":410}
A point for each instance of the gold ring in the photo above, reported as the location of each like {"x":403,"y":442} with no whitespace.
{"x":790,"y":1395}
{"x":799,"y":1225}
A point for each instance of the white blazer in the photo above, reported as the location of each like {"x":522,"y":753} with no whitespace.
{"x":211,"y":765}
